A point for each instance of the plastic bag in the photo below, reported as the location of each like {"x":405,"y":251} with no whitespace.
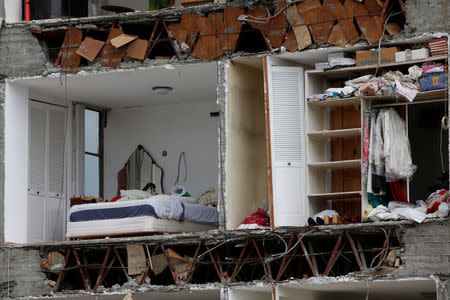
{"x":397,"y":150}
{"x":410,"y":211}
{"x":443,"y":210}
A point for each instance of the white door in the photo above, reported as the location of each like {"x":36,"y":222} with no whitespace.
{"x":286,"y":119}
{"x":46,"y":213}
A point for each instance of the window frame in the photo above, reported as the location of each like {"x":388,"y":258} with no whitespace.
{"x":100,"y":154}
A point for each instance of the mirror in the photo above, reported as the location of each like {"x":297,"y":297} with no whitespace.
{"x":140,"y":171}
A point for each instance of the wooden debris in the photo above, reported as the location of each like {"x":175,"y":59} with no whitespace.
{"x":232,"y":28}
{"x":90,"y":48}
{"x":259,"y":19}
{"x":137,"y":263}
{"x":369,"y":26}
{"x":291,"y":42}
{"x":373,"y":7}
{"x":319,"y":18}
{"x":67,"y":58}
{"x":337,"y":36}
{"x":111,"y":56}
{"x":277,"y":25}
{"x":159,"y":263}
{"x":186,"y":31}
{"x":137,"y":49}
{"x":206,"y":47}
{"x":393,"y":28}
{"x":299,"y":28}
{"x":122,"y":40}
{"x":345,"y":20}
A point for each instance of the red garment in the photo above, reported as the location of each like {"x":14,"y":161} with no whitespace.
{"x":397,"y":192}
{"x":115,"y":199}
{"x":258,"y":217}
{"x":436,"y":200}
{"x":366,"y":142}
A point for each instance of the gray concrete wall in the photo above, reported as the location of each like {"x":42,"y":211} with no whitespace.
{"x":20,"y":53}
{"x":20,"y":275}
{"x":428,"y":16}
{"x":427,"y":250}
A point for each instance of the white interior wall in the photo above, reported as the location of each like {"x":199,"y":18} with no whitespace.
{"x":246,"y":158}
{"x":16,"y":163}
{"x":172,"y":127}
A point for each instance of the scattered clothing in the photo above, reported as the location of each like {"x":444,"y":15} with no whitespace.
{"x":406,"y":89}
{"x":257,"y":220}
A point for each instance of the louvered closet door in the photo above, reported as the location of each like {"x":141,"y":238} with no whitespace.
{"x":37,"y":167}
{"x":46,"y":213}
{"x":55,"y":200}
{"x":286,"y":113}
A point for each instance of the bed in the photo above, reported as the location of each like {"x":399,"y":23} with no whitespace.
{"x":158,"y":214}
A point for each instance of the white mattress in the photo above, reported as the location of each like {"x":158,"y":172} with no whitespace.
{"x":134,"y":225}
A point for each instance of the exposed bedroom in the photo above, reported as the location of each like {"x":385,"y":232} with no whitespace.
{"x":138,"y":147}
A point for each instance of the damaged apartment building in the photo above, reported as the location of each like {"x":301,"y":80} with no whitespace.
{"x":224,"y":150}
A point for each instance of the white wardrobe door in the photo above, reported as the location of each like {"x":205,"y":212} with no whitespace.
{"x":55,"y":153}
{"x":286,"y":112}
{"x":38,"y":146}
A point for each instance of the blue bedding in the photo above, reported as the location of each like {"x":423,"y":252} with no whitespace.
{"x":113,"y":213}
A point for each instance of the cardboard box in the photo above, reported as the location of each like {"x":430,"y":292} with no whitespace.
{"x":370,"y":57}
{"x":412,"y":54}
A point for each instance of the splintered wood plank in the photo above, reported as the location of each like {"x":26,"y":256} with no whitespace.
{"x":337,"y":36}
{"x":122,"y":40}
{"x":299,"y":28}
{"x":137,"y":49}
{"x":368,"y":25}
{"x":373,"y":7}
{"x":277,"y":26}
{"x":261,"y":15}
{"x":229,"y":37}
{"x":90,"y":48}
{"x":291,"y":43}
{"x":349,"y":30}
{"x":206,"y":45}
{"x":345,"y":19}
{"x":393,"y":28}
{"x":337,"y":9}
{"x":67,"y":58}
{"x":111,"y":56}
{"x":178,"y":32}
{"x":319,"y":18}
{"x":218,"y":26}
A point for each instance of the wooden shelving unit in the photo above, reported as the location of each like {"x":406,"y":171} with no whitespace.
{"x":339,"y":195}
{"x":325,"y":134}
{"x":355,"y":71}
{"x":326,"y":170}
{"x":340,"y":164}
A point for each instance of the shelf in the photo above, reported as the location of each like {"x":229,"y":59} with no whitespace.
{"x":337,"y":102}
{"x":354,"y":163}
{"x":335,"y":133}
{"x":336,"y":73}
{"x":332,"y":196}
{"x":430,"y":96}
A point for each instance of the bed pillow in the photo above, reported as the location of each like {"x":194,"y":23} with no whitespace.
{"x":134,"y":195}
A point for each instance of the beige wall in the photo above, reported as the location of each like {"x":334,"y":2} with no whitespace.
{"x":246,"y":167}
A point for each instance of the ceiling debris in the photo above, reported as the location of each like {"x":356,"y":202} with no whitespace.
{"x":208,"y":36}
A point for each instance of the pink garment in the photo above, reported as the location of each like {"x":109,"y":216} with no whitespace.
{"x":406,"y":89}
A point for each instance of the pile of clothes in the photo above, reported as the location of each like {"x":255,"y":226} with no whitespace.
{"x":256,"y":220}
{"x":426,"y":78}
{"x":436,"y":206}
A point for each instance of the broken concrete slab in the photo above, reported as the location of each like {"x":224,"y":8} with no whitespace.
{"x":319,"y":19}
{"x":278,"y":25}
